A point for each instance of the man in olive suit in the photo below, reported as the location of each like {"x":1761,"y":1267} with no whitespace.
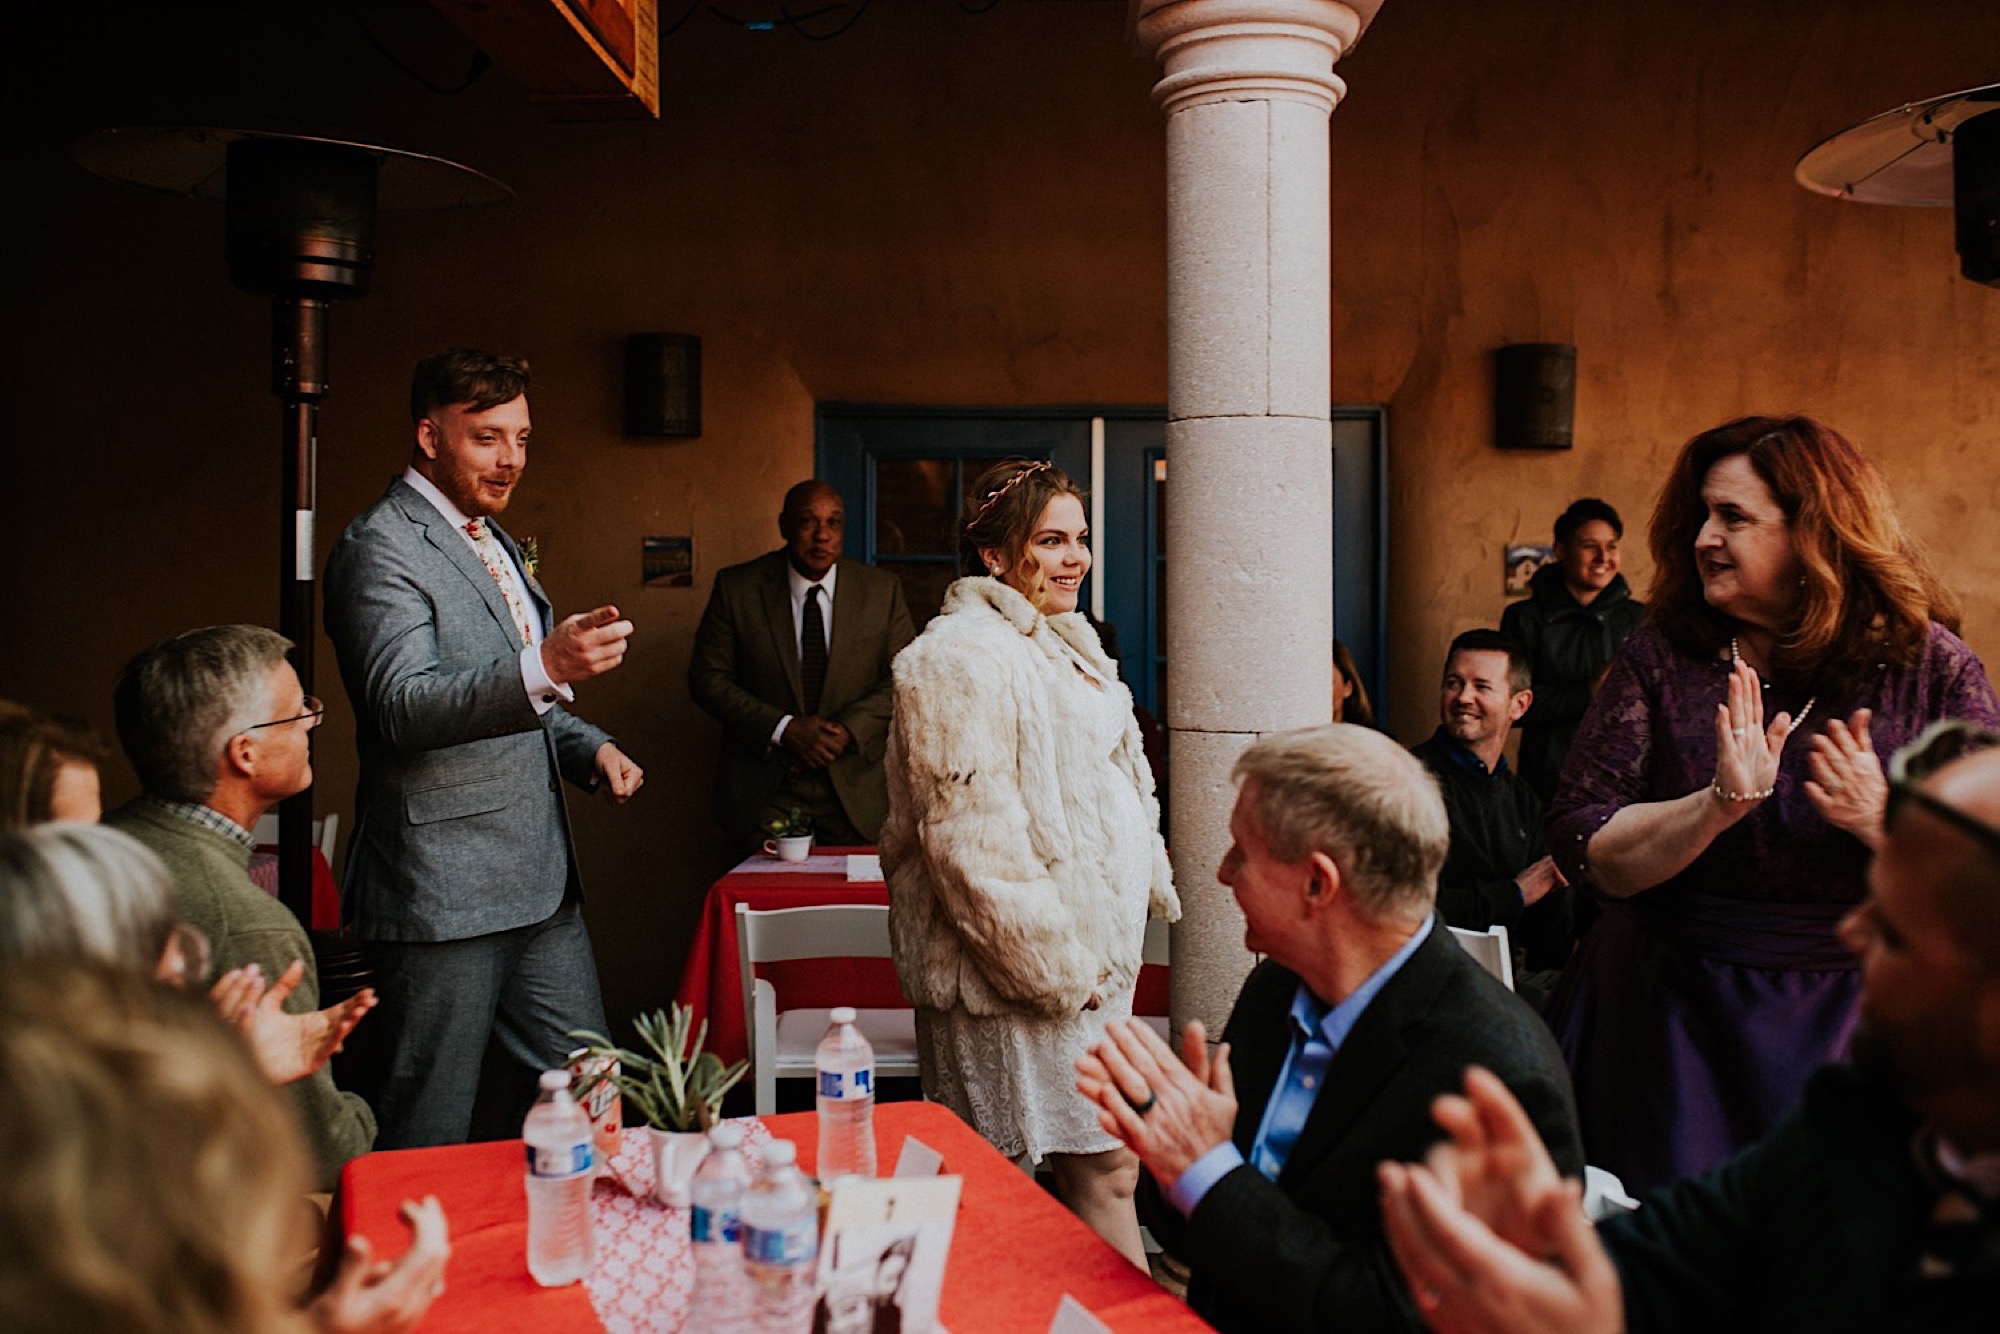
{"x":792,"y":657}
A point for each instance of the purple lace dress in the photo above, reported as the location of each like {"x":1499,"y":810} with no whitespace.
{"x":1693,"y":1012}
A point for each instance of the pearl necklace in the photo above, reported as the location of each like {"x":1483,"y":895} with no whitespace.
{"x":1736,"y":657}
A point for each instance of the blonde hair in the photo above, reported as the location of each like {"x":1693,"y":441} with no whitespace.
{"x":83,"y":891}
{"x":1361,"y":799}
{"x":1008,"y":500}
{"x":156,"y":1178}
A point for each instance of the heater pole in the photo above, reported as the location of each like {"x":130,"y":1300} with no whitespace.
{"x":298,"y":378}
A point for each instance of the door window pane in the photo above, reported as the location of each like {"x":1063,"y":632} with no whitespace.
{"x":924,"y":583}
{"x":916,"y":506}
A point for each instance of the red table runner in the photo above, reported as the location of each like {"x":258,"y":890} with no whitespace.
{"x":710,"y":983}
{"x":1014,"y":1253}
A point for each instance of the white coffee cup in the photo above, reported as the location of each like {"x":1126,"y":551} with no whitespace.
{"x":795,"y":848}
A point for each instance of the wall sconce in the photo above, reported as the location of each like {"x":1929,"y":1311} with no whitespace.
{"x":662,"y":384}
{"x":1534,"y":396}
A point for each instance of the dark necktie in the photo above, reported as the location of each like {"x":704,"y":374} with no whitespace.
{"x":812,"y":650}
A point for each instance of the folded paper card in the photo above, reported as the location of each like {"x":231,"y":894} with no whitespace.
{"x":1072,"y":1317}
{"x":917,"y":1159}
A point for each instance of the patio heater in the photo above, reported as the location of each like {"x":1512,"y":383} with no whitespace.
{"x":301,"y":230}
{"x":1940,"y":153}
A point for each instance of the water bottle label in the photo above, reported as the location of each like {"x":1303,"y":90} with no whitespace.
{"x":559,"y":1162}
{"x":782,"y":1246}
{"x":705,"y":1224}
{"x":844,"y":1084}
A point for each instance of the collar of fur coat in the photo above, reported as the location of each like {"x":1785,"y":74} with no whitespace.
{"x":983,"y":590}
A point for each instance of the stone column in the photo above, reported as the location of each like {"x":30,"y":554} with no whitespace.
{"x":1248,"y":90}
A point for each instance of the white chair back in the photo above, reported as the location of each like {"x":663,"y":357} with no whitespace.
{"x":782,"y":1042}
{"x":1489,"y":948}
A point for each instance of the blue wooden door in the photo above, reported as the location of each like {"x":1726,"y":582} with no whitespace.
{"x":905,"y":474}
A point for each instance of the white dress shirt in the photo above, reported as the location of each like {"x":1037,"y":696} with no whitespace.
{"x":542,"y":692}
{"x":799,"y":584}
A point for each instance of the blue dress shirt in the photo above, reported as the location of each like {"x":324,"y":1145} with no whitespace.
{"x":1317,"y":1033}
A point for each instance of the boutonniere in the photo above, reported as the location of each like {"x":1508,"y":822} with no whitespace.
{"x":531,"y":557}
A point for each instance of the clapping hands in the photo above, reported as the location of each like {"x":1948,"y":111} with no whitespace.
{"x":1488,"y":1235}
{"x":286,"y":1047}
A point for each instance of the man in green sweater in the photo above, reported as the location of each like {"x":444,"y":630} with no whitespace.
{"x":218,"y":727}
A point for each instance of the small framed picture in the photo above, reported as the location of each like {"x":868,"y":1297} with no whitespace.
{"x":1518,"y":566}
{"x":667,"y":562}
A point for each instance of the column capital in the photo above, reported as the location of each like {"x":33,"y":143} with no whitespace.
{"x":1241,"y":50}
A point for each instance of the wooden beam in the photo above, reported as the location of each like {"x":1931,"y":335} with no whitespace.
{"x":581,"y":59}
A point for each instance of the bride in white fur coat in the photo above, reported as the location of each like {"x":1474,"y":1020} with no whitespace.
{"x":1022,"y":847}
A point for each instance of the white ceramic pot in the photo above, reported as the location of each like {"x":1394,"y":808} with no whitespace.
{"x":676,"y":1153}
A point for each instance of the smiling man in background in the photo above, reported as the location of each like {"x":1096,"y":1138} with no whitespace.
{"x":1499,"y":871}
{"x":461,"y":874}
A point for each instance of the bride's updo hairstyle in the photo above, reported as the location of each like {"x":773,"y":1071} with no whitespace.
{"x":1006,"y":503}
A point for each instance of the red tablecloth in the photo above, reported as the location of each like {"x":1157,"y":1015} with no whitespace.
{"x":711,"y":985}
{"x":325,"y":891}
{"x":1014,"y":1253}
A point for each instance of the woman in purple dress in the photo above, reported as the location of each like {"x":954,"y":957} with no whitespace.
{"x":1723,"y":792}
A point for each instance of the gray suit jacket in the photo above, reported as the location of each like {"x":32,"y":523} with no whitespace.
{"x":745,"y":671}
{"x":460,"y":828}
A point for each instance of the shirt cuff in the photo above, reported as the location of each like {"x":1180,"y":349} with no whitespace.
{"x":1203,"y":1173}
{"x":542,"y":692}
{"x":778,"y":732}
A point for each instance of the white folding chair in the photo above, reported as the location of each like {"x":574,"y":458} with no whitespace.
{"x":782,"y":1042}
{"x":325,"y":832}
{"x":1489,"y":949}
{"x":1155,"y":952}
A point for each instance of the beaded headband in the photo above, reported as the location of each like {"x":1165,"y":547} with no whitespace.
{"x":993,"y":497}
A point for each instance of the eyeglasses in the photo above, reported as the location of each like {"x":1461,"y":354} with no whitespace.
{"x":1938,"y":745}
{"x":313,"y":711}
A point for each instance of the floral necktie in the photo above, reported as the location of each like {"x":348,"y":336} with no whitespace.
{"x":494,"y":557}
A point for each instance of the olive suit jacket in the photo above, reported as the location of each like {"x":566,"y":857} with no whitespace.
{"x":745,"y":672}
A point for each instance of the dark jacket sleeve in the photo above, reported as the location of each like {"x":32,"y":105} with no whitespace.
{"x":714,"y":670}
{"x":867,"y":718}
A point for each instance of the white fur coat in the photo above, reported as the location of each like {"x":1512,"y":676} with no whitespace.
{"x":1002,"y":892}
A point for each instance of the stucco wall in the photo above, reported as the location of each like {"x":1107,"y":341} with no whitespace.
{"x":948,"y":208}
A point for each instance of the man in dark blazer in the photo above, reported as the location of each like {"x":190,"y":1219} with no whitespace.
{"x":461,"y":875}
{"x":792,"y":657}
{"x":1260,"y":1162}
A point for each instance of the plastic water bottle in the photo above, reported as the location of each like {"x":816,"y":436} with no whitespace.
{"x":721,"y":1287}
{"x":780,"y":1242}
{"x":561,"y":1163}
{"x":846,"y":1067}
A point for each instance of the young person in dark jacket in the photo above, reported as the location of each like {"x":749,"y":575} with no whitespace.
{"x":1578,"y":611}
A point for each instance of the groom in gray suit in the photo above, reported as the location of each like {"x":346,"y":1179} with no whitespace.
{"x":461,"y":874}
{"x":792,"y":656}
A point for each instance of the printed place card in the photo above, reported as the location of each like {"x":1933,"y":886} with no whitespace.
{"x":882,"y":1261}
